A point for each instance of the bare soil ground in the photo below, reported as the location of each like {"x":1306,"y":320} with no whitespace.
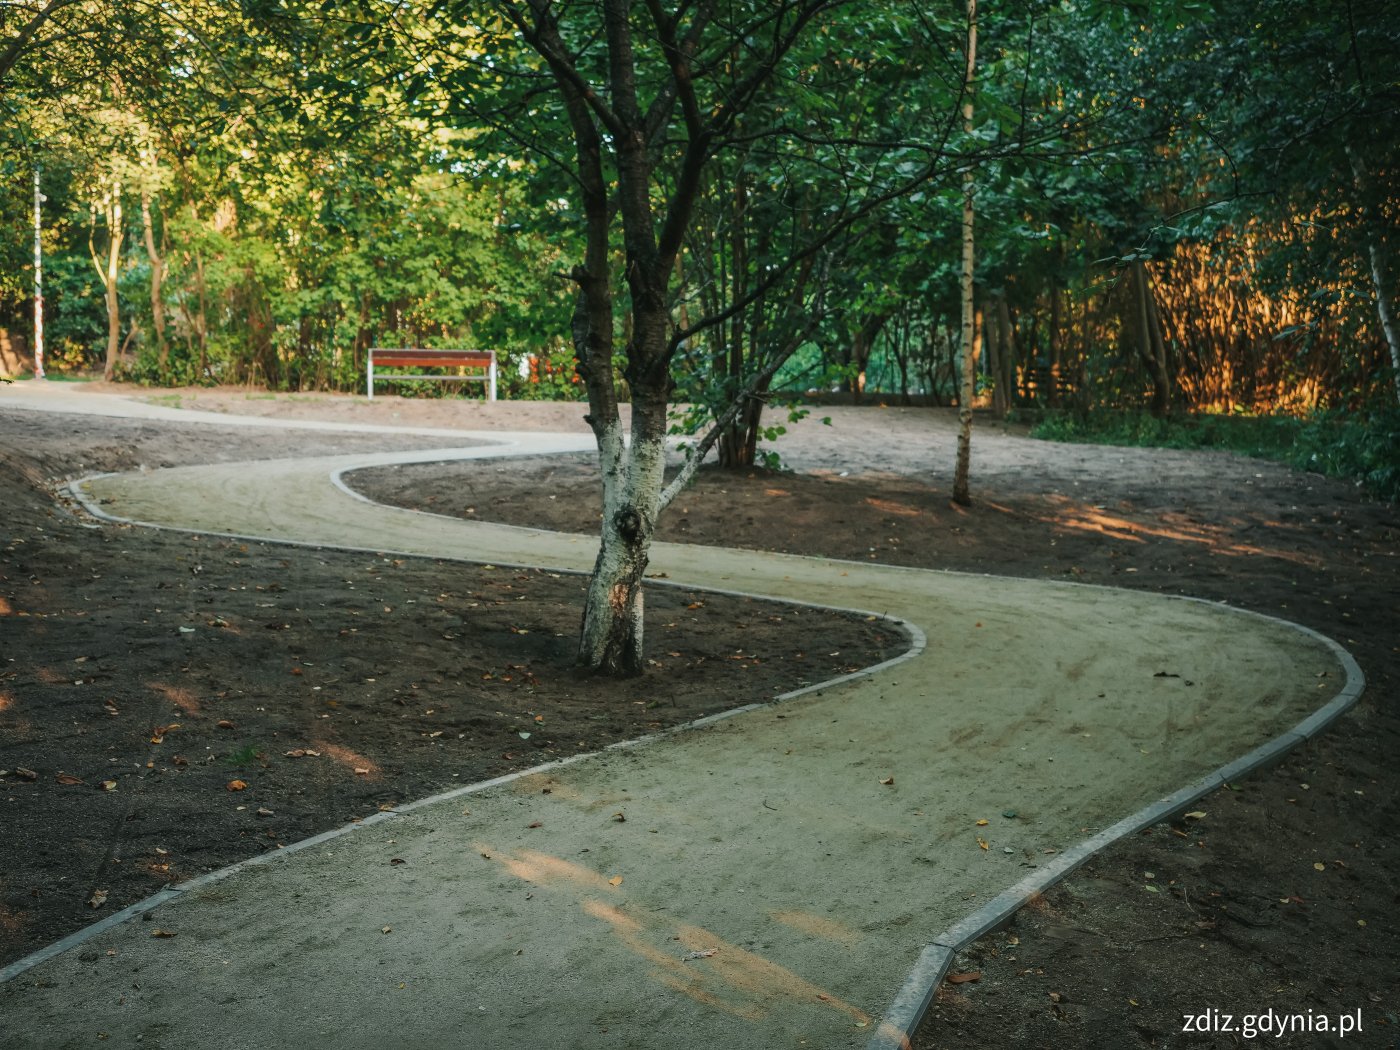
{"x":1284,"y":895}
{"x":1281,"y":897}
{"x":170,"y":704}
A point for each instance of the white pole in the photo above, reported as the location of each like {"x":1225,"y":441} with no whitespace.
{"x":38,"y":282}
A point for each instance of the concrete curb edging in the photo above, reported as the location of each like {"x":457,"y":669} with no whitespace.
{"x":913,"y":1000}
{"x":918,"y":642}
{"x":920,"y":986}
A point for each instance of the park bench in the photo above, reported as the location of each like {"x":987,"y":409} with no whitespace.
{"x":482,"y":362}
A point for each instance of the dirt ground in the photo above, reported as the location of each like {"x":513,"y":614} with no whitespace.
{"x":1229,"y":912}
{"x":1281,"y":897}
{"x":170,"y":704}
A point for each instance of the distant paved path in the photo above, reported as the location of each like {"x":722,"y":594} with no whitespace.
{"x":817,"y":846}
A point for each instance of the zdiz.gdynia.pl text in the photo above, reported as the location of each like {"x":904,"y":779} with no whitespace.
{"x":1273,"y":1023}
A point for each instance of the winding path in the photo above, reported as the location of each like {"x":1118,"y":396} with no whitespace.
{"x":795,"y":874}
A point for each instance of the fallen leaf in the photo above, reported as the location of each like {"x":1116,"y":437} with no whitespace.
{"x":707,"y":953}
{"x":983,"y":843}
{"x":981,"y":823}
{"x":224,"y":723}
{"x":296,"y":670}
{"x":398,"y":860}
{"x":302,"y":752}
{"x":1319,"y":866}
{"x":360,"y":771}
{"x":163,"y":933}
{"x":619,"y":816}
{"x":26,"y":774}
{"x":109,"y":785}
{"x":68,"y":778}
{"x":237,"y":785}
{"x":1199,"y":814}
{"x":110,"y":708}
{"x":387,"y":929}
{"x":179,"y":760}
{"x":616,"y":880}
{"x":964,"y":978}
{"x":98,"y":898}
{"x":536,"y":824}
{"x":887,"y":781}
{"x":263,"y":811}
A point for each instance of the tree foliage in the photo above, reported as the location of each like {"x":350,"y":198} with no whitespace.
{"x":1180,"y":204}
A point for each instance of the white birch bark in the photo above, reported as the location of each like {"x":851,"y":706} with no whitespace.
{"x":1385,"y":306}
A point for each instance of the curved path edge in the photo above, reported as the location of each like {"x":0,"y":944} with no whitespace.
{"x":918,"y":642}
{"x":906,"y":1013}
{"x":920,"y":986}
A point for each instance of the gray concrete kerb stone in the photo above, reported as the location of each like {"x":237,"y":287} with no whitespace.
{"x":912,"y":1002}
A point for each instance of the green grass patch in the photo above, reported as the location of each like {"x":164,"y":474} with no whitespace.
{"x":243,"y":756}
{"x":1360,"y":446}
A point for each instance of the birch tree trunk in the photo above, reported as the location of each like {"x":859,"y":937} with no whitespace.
{"x":1380,"y":283}
{"x":961,"y":493}
{"x":1385,"y":307}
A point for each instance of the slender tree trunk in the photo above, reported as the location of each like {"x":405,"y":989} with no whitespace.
{"x":38,"y":280}
{"x":1147,"y":346}
{"x":157,"y":277}
{"x":871,"y":325}
{"x":1053,"y":338}
{"x":1164,"y":369}
{"x":1008,"y":355}
{"x":1380,"y":283}
{"x":1385,"y":307}
{"x":108,"y":270}
{"x":999,"y":355}
{"x":961,"y":492}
